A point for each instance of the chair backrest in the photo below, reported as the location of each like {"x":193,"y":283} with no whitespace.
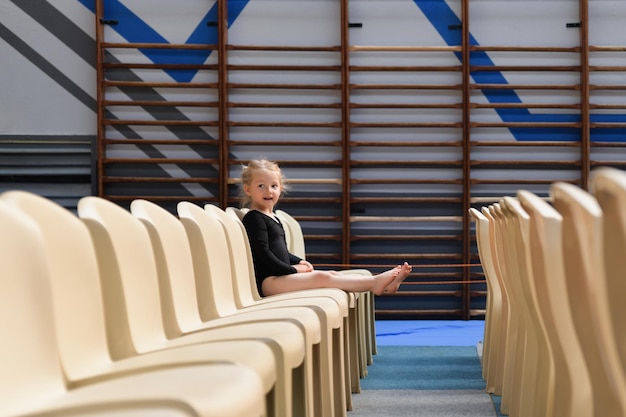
{"x":128,"y":274}
{"x":174,"y":265}
{"x":572,"y":390}
{"x":29,"y":360}
{"x":504,"y":325}
{"x":538,"y":364}
{"x":609,"y":187}
{"x":493,"y":313}
{"x":211,"y":257}
{"x":584,"y":268}
{"x":75,"y":284}
{"x":293,"y":233}
{"x":241,"y":262}
{"x":484,"y":245}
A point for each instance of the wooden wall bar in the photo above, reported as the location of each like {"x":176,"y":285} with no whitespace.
{"x":386,"y":142}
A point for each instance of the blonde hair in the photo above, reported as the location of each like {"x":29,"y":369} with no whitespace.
{"x":247,"y":174}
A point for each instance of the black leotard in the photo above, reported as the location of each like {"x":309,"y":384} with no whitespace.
{"x":269,"y":248}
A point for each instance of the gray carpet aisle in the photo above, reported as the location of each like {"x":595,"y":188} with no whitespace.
{"x":424,"y":381}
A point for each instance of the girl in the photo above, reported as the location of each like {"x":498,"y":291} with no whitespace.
{"x":277,"y":270}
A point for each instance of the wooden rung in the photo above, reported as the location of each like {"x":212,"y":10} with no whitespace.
{"x":394,"y":200}
{"x":287,"y":86}
{"x":608,"y":144}
{"x":475,"y":86}
{"x":607,"y":87}
{"x":520,"y":48}
{"x":212,"y":142}
{"x":335,"y":181}
{"x":405,"y":293}
{"x":608,"y":68}
{"x":286,"y":105}
{"x":519,"y":163}
{"x":523,"y":106}
{"x":159,"y":84}
{"x":606,"y":125}
{"x":317,"y":200}
{"x":526,"y":124}
{"x":204,"y":180}
{"x":406,"y":219}
{"x":518,"y":181}
{"x":285,"y":124}
{"x":439,"y":258}
{"x":406,"y":68}
{"x":405,"y":237}
{"x":406,"y":163}
{"x":416,"y":124}
{"x":405,"y":106}
{"x":162,"y":198}
{"x":614,"y":164}
{"x":608,"y":106}
{"x":154,"y":103}
{"x":144,"y":45}
{"x":526,"y":143}
{"x":116,"y":122}
{"x":283,"y":48}
{"x":283,"y":143}
{"x":382,"y":48}
{"x":159,"y":161}
{"x":607,"y":48}
{"x":284,"y":67}
{"x":410,"y":312}
{"x":318,"y":218}
{"x":406,"y":86}
{"x":405,"y":181}
{"x":453,"y":144}
{"x":131,"y":65}
{"x":524,"y":68}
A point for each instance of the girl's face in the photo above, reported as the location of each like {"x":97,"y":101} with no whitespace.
{"x":264,"y":190}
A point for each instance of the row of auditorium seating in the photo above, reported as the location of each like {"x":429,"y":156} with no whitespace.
{"x":555,"y":342}
{"x":115,"y":312}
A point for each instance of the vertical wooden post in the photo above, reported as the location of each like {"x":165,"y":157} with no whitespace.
{"x":100,"y":133}
{"x":223,"y":131}
{"x":465,"y":43}
{"x":585,"y":131}
{"x":345,"y":133}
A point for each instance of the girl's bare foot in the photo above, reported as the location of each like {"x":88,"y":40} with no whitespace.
{"x":382,"y":280}
{"x":393,"y":286}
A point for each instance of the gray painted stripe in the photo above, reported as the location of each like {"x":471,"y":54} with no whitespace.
{"x":85,"y":47}
{"x":45,"y":66}
{"x":61,"y":27}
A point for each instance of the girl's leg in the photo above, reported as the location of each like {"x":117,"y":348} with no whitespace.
{"x":330,"y":279}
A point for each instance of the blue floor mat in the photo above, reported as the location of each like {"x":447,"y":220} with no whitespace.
{"x":429,"y":332}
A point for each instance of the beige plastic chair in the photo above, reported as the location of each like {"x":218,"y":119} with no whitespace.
{"x":78,"y":308}
{"x":583,"y":245}
{"x":136,"y":318}
{"x":33,"y":382}
{"x":609,"y":187}
{"x":538,"y":370}
{"x":210,"y":248}
{"x":363,"y":335}
{"x":493,"y":314}
{"x":502,"y":347}
{"x":177,"y":273}
{"x":516,"y":332}
{"x":247,"y":294}
{"x":572,"y":387}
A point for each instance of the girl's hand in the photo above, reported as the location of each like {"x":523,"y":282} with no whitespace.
{"x":304,"y":266}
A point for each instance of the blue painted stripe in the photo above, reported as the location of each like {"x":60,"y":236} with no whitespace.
{"x":132,"y":28}
{"x":441,"y":16}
